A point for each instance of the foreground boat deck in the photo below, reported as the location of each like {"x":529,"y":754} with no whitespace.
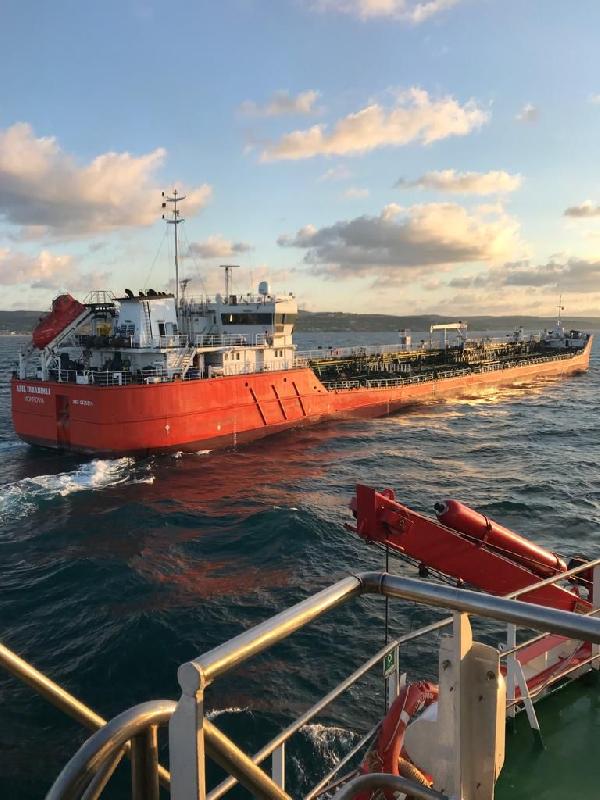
{"x":568,"y":767}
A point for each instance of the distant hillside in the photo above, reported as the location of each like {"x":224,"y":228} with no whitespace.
{"x":340,"y":321}
{"x":24,"y":321}
{"x":19,"y":321}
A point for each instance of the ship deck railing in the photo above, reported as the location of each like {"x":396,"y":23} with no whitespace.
{"x":219,"y":661}
{"x":232,"y":339}
{"x":404,"y":350}
{"x":441,"y":374}
{"x":125,"y":377}
{"x":423,"y":345}
{"x":327,"y":353}
{"x":122,"y":377}
{"x":193,"y":736}
{"x":200,"y":302}
{"x":175,"y":340}
{"x":239,"y":368}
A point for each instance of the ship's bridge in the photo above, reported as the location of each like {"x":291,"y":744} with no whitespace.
{"x":253,"y":317}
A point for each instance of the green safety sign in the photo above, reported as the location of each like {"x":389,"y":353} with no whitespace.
{"x":389,"y":663}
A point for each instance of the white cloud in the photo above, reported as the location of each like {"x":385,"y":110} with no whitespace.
{"x":46,"y":271}
{"x":337,"y":173}
{"x":583,"y":210}
{"x":529,"y":113}
{"x":571,"y":275}
{"x":356,"y":193}
{"x":594,"y":99}
{"x":281,"y":103}
{"x":407,"y":10}
{"x":415,"y":117}
{"x":448,"y":180}
{"x":217,"y":246}
{"x":434,"y":234}
{"x":44,"y":190}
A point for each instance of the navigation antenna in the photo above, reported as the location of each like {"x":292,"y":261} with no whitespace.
{"x":174,"y":199}
{"x":228,"y":276}
{"x":560,"y":308}
{"x":184,"y":284}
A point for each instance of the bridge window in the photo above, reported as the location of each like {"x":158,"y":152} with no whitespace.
{"x":246,"y":319}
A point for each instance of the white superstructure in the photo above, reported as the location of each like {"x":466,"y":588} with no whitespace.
{"x":145,"y":338}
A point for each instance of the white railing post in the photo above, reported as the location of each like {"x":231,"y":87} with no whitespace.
{"x":278,"y":766}
{"x":595,"y":605}
{"x":511,"y":642}
{"x":452,"y":653}
{"x":186,"y":739}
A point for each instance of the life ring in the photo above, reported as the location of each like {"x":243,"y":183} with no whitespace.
{"x":387,"y":754}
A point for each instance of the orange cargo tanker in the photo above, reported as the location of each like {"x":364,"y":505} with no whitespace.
{"x":152,"y":372}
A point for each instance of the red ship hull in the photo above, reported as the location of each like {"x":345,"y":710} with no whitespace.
{"x":219,"y":412}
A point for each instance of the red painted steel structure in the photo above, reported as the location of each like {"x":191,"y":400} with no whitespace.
{"x":218,"y":412}
{"x":380,"y":518}
{"x":469,"y":559}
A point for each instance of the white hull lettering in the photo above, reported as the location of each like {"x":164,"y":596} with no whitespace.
{"x":22,"y":388}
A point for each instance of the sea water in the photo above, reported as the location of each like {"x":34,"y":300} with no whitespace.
{"x":113,"y":572}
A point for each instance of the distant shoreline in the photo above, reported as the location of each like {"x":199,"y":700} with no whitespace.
{"x":22,"y":322}
{"x":340,"y":322}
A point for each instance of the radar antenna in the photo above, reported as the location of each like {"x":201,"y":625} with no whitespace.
{"x":174,"y":199}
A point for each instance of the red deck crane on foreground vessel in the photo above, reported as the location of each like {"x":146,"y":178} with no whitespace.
{"x":468,"y":547}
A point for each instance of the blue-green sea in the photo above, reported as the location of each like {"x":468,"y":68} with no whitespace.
{"x":114,"y":572}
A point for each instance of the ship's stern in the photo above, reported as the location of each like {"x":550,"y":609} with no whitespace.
{"x":40,"y":415}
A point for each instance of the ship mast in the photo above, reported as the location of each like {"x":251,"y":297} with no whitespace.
{"x":560,"y":308}
{"x":228,"y":269}
{"x":174,"y":199}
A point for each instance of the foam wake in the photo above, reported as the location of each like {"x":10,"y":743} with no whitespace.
{"x":329,"y":740}
{"x":322,"y":746}
{"x":217,"y":712}
{"x":21,"y":497}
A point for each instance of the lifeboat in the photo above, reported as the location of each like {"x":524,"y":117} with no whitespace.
{"x":65,"y":309}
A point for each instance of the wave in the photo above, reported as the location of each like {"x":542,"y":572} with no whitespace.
{"x":217,"y":712}
{"x":325,"y":745}
{"x":328,"y":740}
{"x":21,"y":497}
{"x":11,"y":444}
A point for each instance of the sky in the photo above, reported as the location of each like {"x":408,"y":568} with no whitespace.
{"x":376,"y":156}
